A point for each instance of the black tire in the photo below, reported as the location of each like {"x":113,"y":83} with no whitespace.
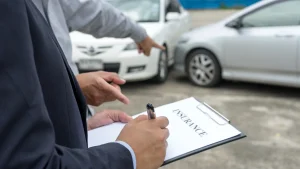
{"x":202,"y":75}
{"x":162,"y":66}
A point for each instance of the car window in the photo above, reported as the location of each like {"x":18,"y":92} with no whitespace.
{"x":284,"y":13}
{"x":173,"y":6}
{"x":139,"y":10}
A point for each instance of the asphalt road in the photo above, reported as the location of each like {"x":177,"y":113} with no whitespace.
{"x":269,"y":115}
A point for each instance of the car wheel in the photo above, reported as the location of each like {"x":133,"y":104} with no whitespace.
{"x":162,"y":73}
{"x":203,"y":68}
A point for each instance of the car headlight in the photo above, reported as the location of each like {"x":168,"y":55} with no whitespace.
{"x":131,"y":46}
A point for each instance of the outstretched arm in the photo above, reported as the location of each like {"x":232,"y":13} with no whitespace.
{"x":100,"y":19}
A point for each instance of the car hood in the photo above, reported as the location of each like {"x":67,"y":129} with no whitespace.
{"x":78,"y":37}
{"x":206,"y":31}
{"x":203,"y":29}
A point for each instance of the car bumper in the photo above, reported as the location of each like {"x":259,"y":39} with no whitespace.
{"x":130,"y":65}
{"x":181,"y":51}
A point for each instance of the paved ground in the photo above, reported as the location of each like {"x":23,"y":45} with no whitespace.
{"x":269,"y":115}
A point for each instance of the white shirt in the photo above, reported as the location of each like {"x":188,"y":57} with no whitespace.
{"x":95,"y":17}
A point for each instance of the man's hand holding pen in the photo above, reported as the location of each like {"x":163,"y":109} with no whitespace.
{"x":148,"y":139}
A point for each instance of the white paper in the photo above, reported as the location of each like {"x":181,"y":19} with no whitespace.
{"x":192,"y":125}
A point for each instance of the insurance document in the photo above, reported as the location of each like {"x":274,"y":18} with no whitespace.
{"x":194,"y":127}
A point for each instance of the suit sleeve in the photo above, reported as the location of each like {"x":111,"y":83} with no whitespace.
{"x":27,"y":137}
{"x":100,"y":19}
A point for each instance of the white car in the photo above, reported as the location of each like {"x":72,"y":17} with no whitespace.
{"x":165,"y":23}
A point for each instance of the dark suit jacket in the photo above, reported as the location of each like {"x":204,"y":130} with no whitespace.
{"x":42,"y":109}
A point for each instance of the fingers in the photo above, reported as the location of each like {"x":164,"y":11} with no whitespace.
{"x":155,"y":45}
{"x":158,"y":46}
{"x":116,"y":86}
{"x":117,"y":80}
{"x":140,"y":49}
{"x":147,"y":52}
{"x":118,"y":116}
{"x":119,"y":95}
{"x":162,"y":122}
{"x":141,"y":118}
{"x":116,"y":93}
{"x":124,"y":118}
{"x":99,"y":119}
{"x":164,"y":136}
{"x":166,"y":133}
{"x":112,"y":77}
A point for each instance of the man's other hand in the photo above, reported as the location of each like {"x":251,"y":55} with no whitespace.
{"x":146,"y":45}
{"x":147,"y":138}
{"x":107,"y":117}
{"x":99,"y":87}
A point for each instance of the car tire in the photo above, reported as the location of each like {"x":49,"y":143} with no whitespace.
{"x":203,"y":68}
{"x":163,"y":72}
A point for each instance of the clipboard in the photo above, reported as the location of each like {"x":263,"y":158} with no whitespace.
{"x":213,"y":145}
{"x":214,"y":122}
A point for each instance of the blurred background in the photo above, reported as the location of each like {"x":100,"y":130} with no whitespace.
{"x":239,"y":56}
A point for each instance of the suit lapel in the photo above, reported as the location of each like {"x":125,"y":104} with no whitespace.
{"x":41,"y":5}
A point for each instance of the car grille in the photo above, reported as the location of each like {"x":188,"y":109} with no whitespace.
{"x":108,"y":67}
{"x":92,"y":50}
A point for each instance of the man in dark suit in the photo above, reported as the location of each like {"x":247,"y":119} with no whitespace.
{"x":42,"y":109}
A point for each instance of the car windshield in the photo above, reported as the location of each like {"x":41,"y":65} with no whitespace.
{"x":139,"y":10}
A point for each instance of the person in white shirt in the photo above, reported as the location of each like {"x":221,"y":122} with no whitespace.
{"x":100,"y":19}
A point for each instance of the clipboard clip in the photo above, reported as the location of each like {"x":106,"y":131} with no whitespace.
{"x":215,"y":112}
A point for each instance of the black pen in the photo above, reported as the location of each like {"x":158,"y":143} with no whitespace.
{"x":150,"y":111}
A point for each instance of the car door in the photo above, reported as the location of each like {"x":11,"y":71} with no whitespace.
{"x":171,"y":29}
{"x":265,"y":47}
{"x":184,"y":21}
{"x":175,"y":26}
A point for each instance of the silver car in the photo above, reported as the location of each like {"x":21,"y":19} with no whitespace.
{"x":260,"y":43}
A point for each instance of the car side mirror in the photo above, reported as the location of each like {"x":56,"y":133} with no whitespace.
{"x":236,"y":24}
{"x":172,"y":16}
